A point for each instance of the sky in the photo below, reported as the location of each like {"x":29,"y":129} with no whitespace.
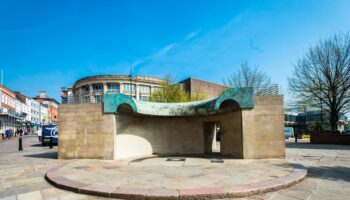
{"x":45,"y":45}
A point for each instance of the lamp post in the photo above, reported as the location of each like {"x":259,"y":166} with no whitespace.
{"x":130,"y":79}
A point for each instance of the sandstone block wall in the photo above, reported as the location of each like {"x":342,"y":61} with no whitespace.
{"x":263,"y":135}
{"x":84,"y":132}
{"x":144,"y":135}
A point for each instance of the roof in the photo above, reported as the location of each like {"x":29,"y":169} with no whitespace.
{"x":7,"y":91}
{"x":243,"y":96}
{"x":46,"y":98}
{"x":119,"y":77}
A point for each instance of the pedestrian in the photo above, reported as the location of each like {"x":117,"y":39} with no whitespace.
{"x":20,"y":132}
{"x":7,"y":134}
{"x":39,"y":134}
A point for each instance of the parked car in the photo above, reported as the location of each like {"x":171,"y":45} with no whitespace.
{"x":288,"y":132}
{"x":49,"y":131}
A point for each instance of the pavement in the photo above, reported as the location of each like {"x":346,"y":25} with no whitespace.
{"x":176,"y":177}
{"x":22,"y":173}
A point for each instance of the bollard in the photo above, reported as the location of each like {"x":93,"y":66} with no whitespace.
{"x":20,"y":147}
{"x":51,"y":143}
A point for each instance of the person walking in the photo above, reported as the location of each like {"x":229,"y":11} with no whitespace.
{"x":20,"y":132}
{"x":39,"y":134}
{"x":7,"y":134}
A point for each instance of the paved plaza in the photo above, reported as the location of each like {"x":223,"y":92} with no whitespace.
{"x":22,"y":173}
{"x":176,"y":177}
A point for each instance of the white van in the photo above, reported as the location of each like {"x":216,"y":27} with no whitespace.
{"x":288,"y":132}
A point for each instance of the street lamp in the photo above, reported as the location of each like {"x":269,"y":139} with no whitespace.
{"x":130,"y":79}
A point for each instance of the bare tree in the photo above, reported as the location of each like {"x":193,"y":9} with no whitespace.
{"x":322,"y":76}
{"x":247,"y":76}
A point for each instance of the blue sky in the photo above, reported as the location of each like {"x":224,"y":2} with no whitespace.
{"x":45,"y":45}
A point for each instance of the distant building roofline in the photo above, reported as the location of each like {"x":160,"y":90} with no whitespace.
{"x":115,"y":76}
{"x":189,"y":78}
{"x":46,"y":98}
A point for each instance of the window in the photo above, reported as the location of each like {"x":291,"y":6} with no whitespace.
{"x":97,"y":88}
{"x":143,"y":98}
{"x":114,"y":88}
{"x":128,"y":87}
{"x":98,"y":98}
{"x":85,"y":89}
{"x":86,"y":99}
{"x":145,"y":89}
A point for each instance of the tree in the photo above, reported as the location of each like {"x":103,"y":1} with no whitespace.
{"x":247,"y":76}
{"x":322,"y":76}
{"x":170,"y":92}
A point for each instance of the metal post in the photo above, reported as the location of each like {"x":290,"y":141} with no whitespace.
{"x":51,"y":143}
{"x":321,"y":112}
{"x":20,"y":146}
{"x":130,"y":79}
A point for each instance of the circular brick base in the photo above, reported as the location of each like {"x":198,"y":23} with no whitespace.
{"x":61,"y":179}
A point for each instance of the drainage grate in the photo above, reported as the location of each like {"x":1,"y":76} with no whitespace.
{"x":217,"y":160}
{"x":175,"y":159}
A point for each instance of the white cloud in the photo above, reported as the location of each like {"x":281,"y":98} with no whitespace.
{"x":192,"y":34}
{"x":163,"y":51}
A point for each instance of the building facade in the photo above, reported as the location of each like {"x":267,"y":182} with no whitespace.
{"x":24,"y":107}
{"x":91,"y":89}
{"x":52,"y":106}
{"x":43,"y":114}
{"x":11,"y":108}
{"x":300,"y":119}
{"x":35,"y":111}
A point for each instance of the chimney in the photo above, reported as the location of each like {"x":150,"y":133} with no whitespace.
{"x":42,"y":94}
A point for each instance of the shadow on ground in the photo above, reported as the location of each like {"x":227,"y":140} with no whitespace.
{"x":47,"y":155}
{"x":36,"y":145}
{"x":333,"y":173}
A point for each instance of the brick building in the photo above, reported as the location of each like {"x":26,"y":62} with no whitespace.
{"x":195,"y":86}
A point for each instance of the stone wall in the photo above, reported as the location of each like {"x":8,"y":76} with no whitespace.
{"x":84,"y":132}
{"x":142,"y":135}
{"x":263,"y":135}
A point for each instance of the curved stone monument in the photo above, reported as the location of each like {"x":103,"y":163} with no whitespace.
{"x":236,"y":124}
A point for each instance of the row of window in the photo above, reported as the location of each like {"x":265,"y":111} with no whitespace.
{"x":116,"y":88}
{"x":8,"y":100}
{"x":35,"y":119}
{"x":34,"y":105}
{"x":34,"y":112}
